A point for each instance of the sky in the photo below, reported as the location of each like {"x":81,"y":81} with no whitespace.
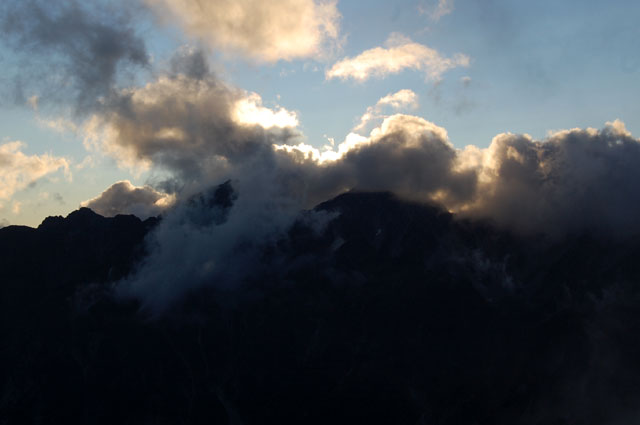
{"x":121,"y":105}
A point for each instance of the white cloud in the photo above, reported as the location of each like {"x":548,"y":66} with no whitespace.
{"x":435,"y":12}
{"x":400,"y":99}
{"x":18,"y":170}
{"x":400,"y":53}
{"x":264,"y":30}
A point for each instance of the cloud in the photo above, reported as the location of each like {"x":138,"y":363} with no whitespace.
{"x":399,"y":54}
{"x":4,"y":223}
{"x":217,"y":238}
{"x":249,"y":110}
{"x":191,"y":125}
{"x":269,"y":192}
{"x":18,"y":170}
{"x":265,"y":31}
{"x":443,"y":8}
{"x":200,"y":131}
{"x":576,"y":180}
{"x":405,"y":154}
{"x":69,"y":50}
{"x":87,"y":162}
{"x":403,"y":99}
{"x":124,"y":198}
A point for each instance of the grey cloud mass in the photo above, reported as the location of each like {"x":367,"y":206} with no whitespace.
{"x":186,"y":121}
{"x":579,"y":180}
{"x":69,"y":50}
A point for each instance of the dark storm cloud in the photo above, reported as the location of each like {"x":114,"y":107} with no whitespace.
{"x":69,"y":50}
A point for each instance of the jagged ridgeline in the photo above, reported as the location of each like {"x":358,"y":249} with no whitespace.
{"x":367,"y":309}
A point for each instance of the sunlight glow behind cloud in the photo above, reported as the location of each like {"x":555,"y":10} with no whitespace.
{"x":250,"y":111}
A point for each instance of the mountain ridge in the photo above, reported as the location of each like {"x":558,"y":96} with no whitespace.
{"x":368,"y":308}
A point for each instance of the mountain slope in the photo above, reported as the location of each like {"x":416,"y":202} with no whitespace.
{"x":369,"y":309}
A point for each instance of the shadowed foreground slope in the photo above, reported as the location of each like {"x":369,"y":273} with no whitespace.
{"x":391,"y":312}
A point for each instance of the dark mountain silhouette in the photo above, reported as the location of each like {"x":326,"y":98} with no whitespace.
{"x":391,"y":312}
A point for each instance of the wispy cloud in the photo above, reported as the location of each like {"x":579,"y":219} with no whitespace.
{"x":435,"y":12}
{"x":402,"y":99}
{"x":400,"y":53}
